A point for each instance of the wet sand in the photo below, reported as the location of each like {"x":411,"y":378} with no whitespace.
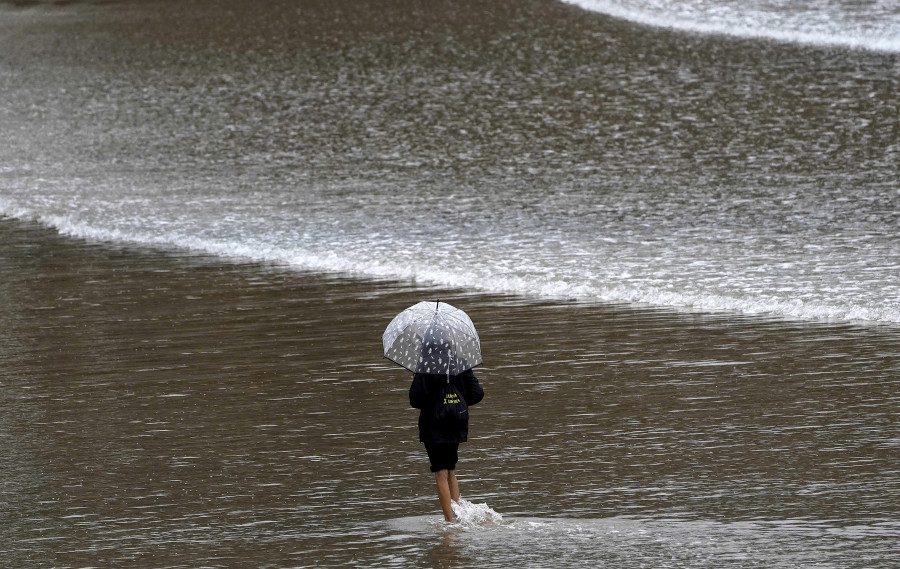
{"x":163,"y":409}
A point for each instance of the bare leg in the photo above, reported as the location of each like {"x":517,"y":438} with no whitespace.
{"x":442,"y":478}
{"x":454,"y":486}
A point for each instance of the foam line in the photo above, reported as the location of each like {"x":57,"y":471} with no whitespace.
{"x":768,"y":27}
{"x":339,"y":261}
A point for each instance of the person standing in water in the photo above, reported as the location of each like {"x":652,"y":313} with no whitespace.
{"x":442,"y":434}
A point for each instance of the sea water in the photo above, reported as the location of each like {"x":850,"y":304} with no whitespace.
{"x":723,"y":204}
{"x":627,"y":542}
{"x":169,"y":410}
{"x":564,"y":157}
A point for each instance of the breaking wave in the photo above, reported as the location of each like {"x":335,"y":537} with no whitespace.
{"x":875,"y":28}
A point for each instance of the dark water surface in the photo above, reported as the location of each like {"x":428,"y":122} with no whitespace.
{"x":162,"y":410}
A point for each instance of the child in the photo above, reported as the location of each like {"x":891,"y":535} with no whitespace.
{"x":442,"y":436}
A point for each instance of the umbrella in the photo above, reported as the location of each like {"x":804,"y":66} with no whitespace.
{"x":432,"y":337}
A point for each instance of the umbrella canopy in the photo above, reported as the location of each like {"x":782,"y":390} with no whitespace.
{"x":432,"y":337}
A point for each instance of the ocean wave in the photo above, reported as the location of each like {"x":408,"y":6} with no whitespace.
{"x":536,"y":282}
{"x":877,"y":30}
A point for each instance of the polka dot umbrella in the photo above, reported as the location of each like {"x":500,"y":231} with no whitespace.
{"x":432,"y":337}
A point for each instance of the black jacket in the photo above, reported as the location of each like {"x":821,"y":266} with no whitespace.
{"x":424,"y":393}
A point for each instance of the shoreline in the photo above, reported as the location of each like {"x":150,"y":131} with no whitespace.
{"x":398,"y":284}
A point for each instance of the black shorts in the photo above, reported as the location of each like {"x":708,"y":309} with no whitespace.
{"x":443,"y":456}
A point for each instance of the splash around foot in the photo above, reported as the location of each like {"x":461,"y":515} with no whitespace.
{"x":468,"y":514}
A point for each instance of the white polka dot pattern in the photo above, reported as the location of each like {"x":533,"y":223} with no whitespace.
{"x":432,"y":337}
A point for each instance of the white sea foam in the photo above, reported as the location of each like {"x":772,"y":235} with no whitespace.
{"x":600,"y":277}
{"x":877,"y":28}
{"x":469,"y":514}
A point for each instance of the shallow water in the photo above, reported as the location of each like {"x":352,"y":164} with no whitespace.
{"x":627,"y":542}
{"x":163,"y":403}
{"x":176,"y":411}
